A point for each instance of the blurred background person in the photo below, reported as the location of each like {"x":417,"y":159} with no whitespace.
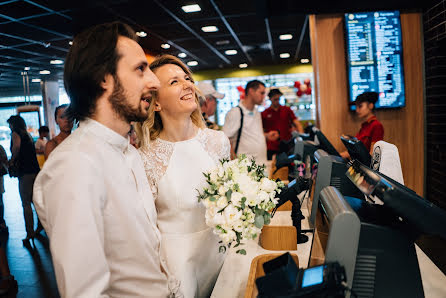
{"x":281,"y":119}
{"x":41,"y":143}
{"x":23,"y":164}
{"x":208,"y":102}
{"x":65,"y":126}
{"x":3,"y":172}
{"x":371,"y":130}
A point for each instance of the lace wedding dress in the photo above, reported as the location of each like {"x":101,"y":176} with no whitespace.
{"x":175,"y":173}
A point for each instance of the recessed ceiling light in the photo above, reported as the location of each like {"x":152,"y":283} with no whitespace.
{"x":182,"y":55}
{"x":209,"y":29}
{"x":165,"y":46}
{"x":304,"y":60}
{"x":27,"y":68}
{"x":285,"y":37}
{"x":222,"y":42}
{"x":192,"y":63}
{"x":35,"y":80}
{"x":44,"y":72}
{"x":191,"y":8}
{"x":231,"y":52}
{"x":285,"y":55}
{"x":243,"y":65}
{"x":70,"y":43}
{"x":56,"y":61}
{"x":141,"y":34}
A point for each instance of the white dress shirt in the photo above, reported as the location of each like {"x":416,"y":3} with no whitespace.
{"x":97,"y":208}
{"x":252,"y":140}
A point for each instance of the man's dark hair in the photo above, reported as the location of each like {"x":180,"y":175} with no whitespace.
{"x":274,"y":92}
{"x":92,"y":56}
{"x":254,"y":84}
{"x":57,"y":110}
{"x":43,"y":129}
{"x":17,"y":123}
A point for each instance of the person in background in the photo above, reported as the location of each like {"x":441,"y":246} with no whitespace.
{"x":4,"y":166}
{"x":252,"y":138}
{"x":208,"y":102}
{"x":371,"y":130}
{"x":24,"y":161}
{"x":279,"y":118}
{"x":42,"y":140}
{"x":65,"y":126}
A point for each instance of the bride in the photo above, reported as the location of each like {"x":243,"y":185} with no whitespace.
{"x":176,"y":149}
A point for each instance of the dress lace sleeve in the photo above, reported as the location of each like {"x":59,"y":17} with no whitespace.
{"x":216,"y":143}
{"x":155,"y":159}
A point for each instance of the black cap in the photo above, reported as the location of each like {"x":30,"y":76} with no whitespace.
{"x":273,"y":92}
{"x":371,"y":97}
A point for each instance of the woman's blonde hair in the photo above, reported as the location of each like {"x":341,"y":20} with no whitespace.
{"x":151,"y":128}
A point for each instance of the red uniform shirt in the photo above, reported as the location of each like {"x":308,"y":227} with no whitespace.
{"x":371,"y":132}
{"x":279,"y":120}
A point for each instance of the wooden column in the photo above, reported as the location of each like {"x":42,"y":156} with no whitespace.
{"x":403,"y":127}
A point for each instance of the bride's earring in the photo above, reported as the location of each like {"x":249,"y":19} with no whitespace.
{"x":157,"y":107}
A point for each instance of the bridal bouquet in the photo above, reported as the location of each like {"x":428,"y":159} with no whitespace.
{"x":237,"y":198}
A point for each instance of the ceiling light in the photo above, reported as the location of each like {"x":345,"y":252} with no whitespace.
{"x":304,"y":60}
{"x":27,"y":68}
{"x":231,"y":52}
{"x":35,"y":80}
{"x":44,"y":72}
{"x":222,"y":42}
{"x":243,"y":65}
{"x":192,"y":63}
{"x":70,"y":43}
{"x":209,"y":29}
{"x":56,"y":61}
{"x":165,"y":46}
{"x":285,"y":55}
{"x":141,"y":34}
{"x":182,"y":55}
{"x":285,"y":37}
{"x":191,"y":8}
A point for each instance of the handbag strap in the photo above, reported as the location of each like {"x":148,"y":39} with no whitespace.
{"x":239,"y":131}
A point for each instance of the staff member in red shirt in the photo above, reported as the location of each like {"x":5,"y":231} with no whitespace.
{"x":371,"y":130}
{"x":279,"y":118}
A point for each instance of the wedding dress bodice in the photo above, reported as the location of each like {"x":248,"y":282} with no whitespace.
{"x":175,"y":173}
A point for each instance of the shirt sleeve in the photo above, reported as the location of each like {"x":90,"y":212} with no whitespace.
{"x":69,"y":196}
{"x":291,"y":114}
{"x":232,"y":123}
{"x":377,"y":133}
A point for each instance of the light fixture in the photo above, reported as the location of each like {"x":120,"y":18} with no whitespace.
{"x":56,"y":61}
{"x":209,"y":29}
{"x":230,"y":52}
{"x":285,"y":55}
{"x":27,"y":68}
{"x":141,"y":34}
{"x":285,"y":37}
{"x":243,"y":65}
{"x":222,"y":42}
{"x":70,"y":43}
{"x":44,"y":72}
{"x":165,"y":46}
{"x":192,"y":63}
{"x":304,"y":60}
{"x":191,"y":8}
{"x":182,"y":55}
{"x":35,"y":80}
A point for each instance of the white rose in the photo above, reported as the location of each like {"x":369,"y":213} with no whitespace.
{"x":222,"y":202}
{"x":236,"y":198}
{"x":214,"y":175}
{"x":267,"y":185}
{"x":263,"y":196}
{"x":231,"y":214}
{"x":222,"y":190}
{"x":228,"y":237}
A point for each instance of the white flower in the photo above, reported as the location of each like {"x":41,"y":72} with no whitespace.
{"x":231,"y":214}
{"x":222,"y":190}
{"x":228,"y":237}
{"x":236,"y":198}
{"x":222,"y":202}
{"x":263,"y":196}
{"x":267,"y":185}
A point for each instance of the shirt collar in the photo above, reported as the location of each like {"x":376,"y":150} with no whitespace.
{"x":371,"y":119}
{"x":106,"y":134}
{"x":246,"y":111}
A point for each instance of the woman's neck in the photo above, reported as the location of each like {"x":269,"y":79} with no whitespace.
{"x":177,"y":129}
{"x":63,"y":135}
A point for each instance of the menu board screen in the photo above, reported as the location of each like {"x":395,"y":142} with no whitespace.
{"x":375,"y":56}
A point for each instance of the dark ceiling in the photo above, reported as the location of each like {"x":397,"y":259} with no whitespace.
{"x":34,"y":32}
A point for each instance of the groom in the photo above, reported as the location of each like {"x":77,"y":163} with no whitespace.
{"x":92,"y":196}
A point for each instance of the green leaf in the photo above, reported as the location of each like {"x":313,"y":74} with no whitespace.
{"x":241,"y":251}
{"x":228,"y":195}
{"x":259,"y":221}
{"x":267,"y":218}
{"x":212,"y":199}
{"x":242,"y":202}
{"x":222,"y":249}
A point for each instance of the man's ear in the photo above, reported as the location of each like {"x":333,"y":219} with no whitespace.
{"x":107,"y":82}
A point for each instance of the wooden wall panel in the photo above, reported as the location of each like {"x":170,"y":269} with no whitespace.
{"x":403,"y":127}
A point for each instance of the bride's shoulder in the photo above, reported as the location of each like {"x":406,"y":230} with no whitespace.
{"x":214,"y":135}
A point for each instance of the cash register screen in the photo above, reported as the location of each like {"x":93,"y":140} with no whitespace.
{"x":313,"y":276}
{"x":375,"y":57}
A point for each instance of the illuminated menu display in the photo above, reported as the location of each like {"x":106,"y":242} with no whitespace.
{"x":374,"y":51}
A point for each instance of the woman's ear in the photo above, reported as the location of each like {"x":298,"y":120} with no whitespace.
{"x":157,"y":106}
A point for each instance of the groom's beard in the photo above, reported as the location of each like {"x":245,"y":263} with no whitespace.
{"x":122,"y":107}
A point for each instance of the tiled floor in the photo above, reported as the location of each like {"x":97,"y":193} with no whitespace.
{"x":31,"y":266}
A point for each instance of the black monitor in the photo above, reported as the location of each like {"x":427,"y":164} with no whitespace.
{"x":325,"y":144}
{"x":356,"y":149}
